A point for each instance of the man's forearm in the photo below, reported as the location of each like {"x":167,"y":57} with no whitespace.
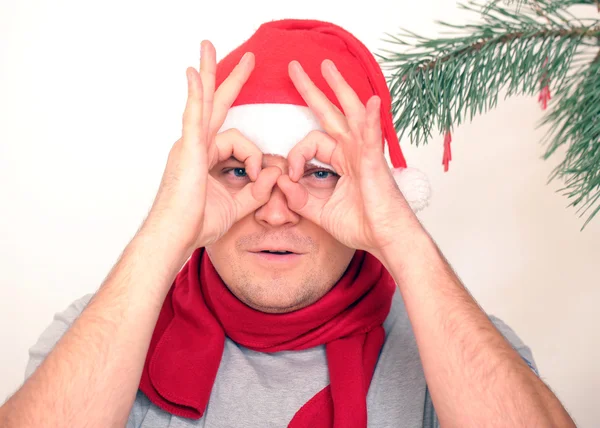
{"x":474,"y":375}
{"x":91,"y":376}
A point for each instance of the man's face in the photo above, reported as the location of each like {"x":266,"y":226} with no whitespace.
{"x":271,"y":282}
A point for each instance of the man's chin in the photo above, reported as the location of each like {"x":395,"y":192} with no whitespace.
{"x":275,"y":293}
{"x":278,"y":306}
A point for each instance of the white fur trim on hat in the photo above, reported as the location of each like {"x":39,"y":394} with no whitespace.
{"x":274,"y":128}
{"x":414,"y":185}
{"x":277,"y":128}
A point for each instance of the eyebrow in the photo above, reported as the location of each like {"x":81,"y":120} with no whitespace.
{"x":308,"y":164}
{"x":315,"y":166}
{"x":230,"y":159}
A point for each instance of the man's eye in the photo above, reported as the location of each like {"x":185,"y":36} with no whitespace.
{"x":323,"y":174}
{"x":238,"y":172}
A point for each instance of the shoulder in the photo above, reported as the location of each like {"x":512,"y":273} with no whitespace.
{"x":398,"y":328}
{"x":59,"y":325}
{"x":142,"y":409}
{"x":401,"y":341}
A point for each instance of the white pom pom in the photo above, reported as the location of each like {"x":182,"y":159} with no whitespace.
{"x":414,"y":185}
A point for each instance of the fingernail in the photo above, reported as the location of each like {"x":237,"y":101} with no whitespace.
{"x":377,"y":102}
{"x":245,"y":58}
{"x":290,"y":172}
{"x":331,"y":65}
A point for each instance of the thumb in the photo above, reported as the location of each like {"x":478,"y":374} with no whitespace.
{"x":256,"y":194}
{"x":300,"y":200}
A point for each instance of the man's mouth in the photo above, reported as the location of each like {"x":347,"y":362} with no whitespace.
{"x":275,"y":249}
{"x":278,"y":256}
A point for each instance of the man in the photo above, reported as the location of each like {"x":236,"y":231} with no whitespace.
{"x":311,"y":296}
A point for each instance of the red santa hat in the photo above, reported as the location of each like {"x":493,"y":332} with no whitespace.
{"x":270,"y":111}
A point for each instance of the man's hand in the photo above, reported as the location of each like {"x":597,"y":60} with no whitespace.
{"x":366,"y":207}
{"x":91,"y":376}
{"x":474,"y":375}
{"x":179,"y":207}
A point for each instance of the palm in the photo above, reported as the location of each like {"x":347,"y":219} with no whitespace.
{"x":360,"y":204}
{"x":221,"y":214}
{"x":341,"y":214}
{"x":188,"y":167}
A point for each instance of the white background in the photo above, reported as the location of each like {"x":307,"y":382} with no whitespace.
{"x":91,"y":96}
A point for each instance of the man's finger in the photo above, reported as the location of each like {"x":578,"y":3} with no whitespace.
{"x":192,"y":115}
{"x":229,"y":90}
{"x":233,"y":143}
{"x":351,"y":104}
{"x":372,"y":131}
{"x":300,"y":200}
{"x":316,"y":145}
{"x":256,"y":194}
{"x":208,"y":66}
{"x":330,"y":117}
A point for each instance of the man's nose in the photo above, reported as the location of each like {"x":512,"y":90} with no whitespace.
{"x":276,"y":211}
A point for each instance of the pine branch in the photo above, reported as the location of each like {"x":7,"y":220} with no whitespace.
{"x":439,"y":83}
{"x":577,"y":33}
{"x":575,"y":122}
{"x":555,"y":3}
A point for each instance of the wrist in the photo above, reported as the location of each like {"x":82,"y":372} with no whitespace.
{"x":402,"y":243}
{"x":411,"y":249}
{"x":165,"y":233}
{"x":159,"y":249}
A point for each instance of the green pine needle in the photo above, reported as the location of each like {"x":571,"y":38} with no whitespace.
{"x":575,"y":122}
{"x":437,"y":84}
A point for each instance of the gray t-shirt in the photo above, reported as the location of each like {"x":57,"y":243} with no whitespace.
{"x":255,"y":389}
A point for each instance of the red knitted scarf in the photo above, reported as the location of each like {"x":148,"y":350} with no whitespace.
{"x":199,"y":311}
